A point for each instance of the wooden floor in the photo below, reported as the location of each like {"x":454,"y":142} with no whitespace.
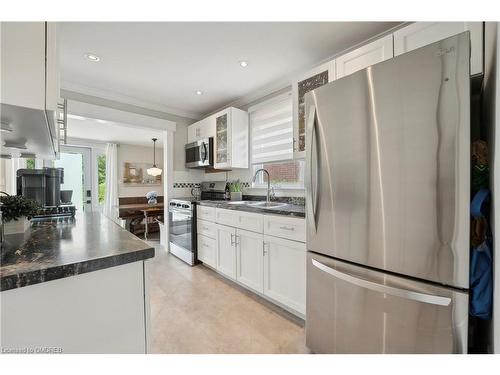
{"x":195,"y":310}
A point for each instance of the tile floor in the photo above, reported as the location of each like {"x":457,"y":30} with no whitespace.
{"x":195,"y":310}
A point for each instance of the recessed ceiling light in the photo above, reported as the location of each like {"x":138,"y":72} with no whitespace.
{"x":198,"y":92}
{"x":92,"y":57}
{"x":243,"y":64}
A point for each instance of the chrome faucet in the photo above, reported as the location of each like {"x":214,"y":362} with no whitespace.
{"x":268,"y":182}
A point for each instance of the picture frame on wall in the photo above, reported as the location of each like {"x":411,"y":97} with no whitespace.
{"x":135,"y":174}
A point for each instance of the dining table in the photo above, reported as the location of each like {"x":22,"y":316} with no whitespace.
{"x":148,"y":211}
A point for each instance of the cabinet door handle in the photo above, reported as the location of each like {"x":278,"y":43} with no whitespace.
{"x":264,"y":247}
{"x":232,"y":241}
{"x":284,"y":227}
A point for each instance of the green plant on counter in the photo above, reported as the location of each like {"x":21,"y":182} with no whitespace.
{"x":235,"y":186}
{"x":14,"y":207}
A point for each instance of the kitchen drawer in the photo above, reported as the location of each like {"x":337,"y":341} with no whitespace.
{"x":206,"y":213}
{"x":206,"y":228}
{"x":250,"y":221}
{"x":291,"y":228}
{"x":240,"y":219}
{"x":226,"y":217}
{"x":207,"y":250}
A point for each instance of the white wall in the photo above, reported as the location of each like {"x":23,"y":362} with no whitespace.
{"x":137,"y":154}
{"x":491,"y":101}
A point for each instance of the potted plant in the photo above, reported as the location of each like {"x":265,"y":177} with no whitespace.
{"x":235,"y":190}
{"x":17,"y":212}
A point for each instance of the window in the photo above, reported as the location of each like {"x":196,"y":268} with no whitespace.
{"x":284,"y":175}
{"x":271,"y":127}
{"x":101,"y":177}
{"x":30,"y":163}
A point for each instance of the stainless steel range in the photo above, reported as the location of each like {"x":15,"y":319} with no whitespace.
{"x":182,"y":221}
{"x":182,"y":229}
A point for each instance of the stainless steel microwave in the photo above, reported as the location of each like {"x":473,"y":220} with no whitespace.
{"x":199,"y":154}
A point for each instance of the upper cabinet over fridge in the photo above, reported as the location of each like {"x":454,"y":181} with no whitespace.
{"x":420,"y":34}
{"x":405,"y":39}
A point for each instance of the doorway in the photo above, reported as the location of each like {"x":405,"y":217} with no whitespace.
{"x":77,"y":175}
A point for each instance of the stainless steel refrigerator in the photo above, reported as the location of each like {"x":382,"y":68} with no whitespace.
{"x":388,"y":192}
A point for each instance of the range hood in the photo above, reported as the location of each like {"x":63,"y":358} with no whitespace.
{"x":28,"y":131}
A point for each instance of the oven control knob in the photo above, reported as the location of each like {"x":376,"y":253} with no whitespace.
{"x":185,"y":206}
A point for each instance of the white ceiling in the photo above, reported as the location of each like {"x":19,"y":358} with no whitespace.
{"x":164,"y":63}
{"x":108,"y":131}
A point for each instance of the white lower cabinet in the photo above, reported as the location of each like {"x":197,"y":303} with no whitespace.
{"x":268,"y":259}
{"x":285,"y":272}
{"x":249,"y":259}
{"x":207,"y":250}
{"x":226,"y":251}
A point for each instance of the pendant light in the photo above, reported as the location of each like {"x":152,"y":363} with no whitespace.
{"x":154,"y":171}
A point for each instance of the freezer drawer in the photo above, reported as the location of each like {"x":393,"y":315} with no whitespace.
{"x":353,"y":309}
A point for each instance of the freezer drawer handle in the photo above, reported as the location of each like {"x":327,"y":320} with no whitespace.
{"x":402,"y":293}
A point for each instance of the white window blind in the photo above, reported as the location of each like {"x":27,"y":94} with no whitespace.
{"x":271,"y":126}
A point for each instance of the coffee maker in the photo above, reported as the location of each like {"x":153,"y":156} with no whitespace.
{"x":44,"y":186}
{"x":41,"y":185}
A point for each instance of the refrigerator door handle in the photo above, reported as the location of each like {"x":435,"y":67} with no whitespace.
{"x":311,"y":199}
{"x":397,"y":292}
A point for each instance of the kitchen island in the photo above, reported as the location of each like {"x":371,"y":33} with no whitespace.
{"x":75,"y":286}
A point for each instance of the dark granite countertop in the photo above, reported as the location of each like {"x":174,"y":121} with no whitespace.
{"x":287,"y":210}
{"x":50,"y":251}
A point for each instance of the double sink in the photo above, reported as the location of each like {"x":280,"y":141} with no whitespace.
{"x":269,"y":205}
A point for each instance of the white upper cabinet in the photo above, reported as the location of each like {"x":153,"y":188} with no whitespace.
{"x":29,"y":65}
{"x":420,"y":34}
{"x":202,"y":129}
{"x":309,"y":81}
{"x":231,"y":139}
{"x":29,"y":86}
{"x":362,"y":57}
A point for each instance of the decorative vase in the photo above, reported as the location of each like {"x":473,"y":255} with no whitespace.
{"x":152,"y":201}
{"x":236,"y":196}
{"x":20,"y":225}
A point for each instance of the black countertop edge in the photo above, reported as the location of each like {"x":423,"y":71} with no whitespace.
{"x":288,"y":210}
{"x":59,"y":272}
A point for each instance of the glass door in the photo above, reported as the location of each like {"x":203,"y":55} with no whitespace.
{"x":77,"y":175}
{"x":222,"y":141}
